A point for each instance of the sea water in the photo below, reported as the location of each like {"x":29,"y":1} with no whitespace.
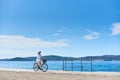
{"x":107,"y":66}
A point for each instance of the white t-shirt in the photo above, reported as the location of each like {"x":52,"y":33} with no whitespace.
{"x":39,"y":58}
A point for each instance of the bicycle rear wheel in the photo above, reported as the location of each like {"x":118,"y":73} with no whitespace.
{"x":35,"y":67}
{"x":44,"y":67}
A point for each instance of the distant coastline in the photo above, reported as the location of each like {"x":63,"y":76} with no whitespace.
{"x":59,"y":58}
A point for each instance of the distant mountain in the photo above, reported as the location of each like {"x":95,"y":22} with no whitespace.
{"x":55,"y":57}
{"x":104,"y":58}
{"x":20,"y":59}
{"x":59,"y":58}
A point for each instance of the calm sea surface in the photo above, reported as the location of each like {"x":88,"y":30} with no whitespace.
{"x":110,"y":66}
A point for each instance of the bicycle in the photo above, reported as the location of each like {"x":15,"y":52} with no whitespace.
{"x":44,"y":66}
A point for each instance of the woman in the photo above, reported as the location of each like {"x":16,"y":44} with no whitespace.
{"x":39,"y":59}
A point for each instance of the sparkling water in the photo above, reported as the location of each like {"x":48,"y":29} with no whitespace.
{"x":108,"y":66}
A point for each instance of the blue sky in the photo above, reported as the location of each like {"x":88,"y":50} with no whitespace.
{"x":59,"y":27}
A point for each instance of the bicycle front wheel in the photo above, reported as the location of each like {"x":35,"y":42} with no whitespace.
{"x":44,"y":67}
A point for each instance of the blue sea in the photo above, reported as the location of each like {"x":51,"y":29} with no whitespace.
{"x":105,"y":66}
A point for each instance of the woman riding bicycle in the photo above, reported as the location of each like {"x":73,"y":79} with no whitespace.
{"x":39,"y":59}
{"x":40,"y":63}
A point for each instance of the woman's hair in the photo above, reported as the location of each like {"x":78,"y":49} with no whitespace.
{"x":39,"y":52}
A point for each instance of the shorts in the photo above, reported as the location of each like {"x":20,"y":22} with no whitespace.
{"x":38,"y":60}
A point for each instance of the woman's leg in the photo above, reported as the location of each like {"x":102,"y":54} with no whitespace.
{"x":39,"y":63}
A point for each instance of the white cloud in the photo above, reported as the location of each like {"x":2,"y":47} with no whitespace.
{"x":115,"y":29}
{"x":60,"y":30}
{"x":56,"y":34}
{"x":92,"y":35}
{"x":14,"y":46}
{"x":13,"y":41}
